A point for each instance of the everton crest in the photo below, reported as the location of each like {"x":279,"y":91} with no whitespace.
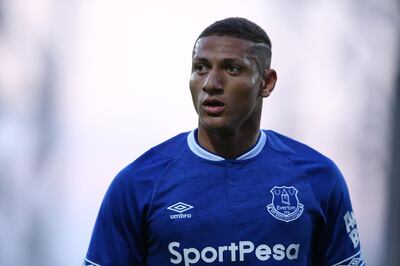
{"x":285,"y":205}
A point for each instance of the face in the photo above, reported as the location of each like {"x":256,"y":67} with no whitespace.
{"x":226,"y":86}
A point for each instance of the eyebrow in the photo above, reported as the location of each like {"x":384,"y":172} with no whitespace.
{"x":224,"y":60}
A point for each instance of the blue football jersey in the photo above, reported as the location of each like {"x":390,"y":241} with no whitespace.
{"x":280,"y":203}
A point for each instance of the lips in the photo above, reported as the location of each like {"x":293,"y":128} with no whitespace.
{"x":213,"y":106}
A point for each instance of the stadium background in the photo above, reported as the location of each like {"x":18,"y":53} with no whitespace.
{"x":87,"y":86}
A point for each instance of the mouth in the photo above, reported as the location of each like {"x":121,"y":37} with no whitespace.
{"x":213,"y":106}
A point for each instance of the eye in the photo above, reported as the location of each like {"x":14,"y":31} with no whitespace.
{"x":200,"y":68}
{"x":232,"y":69}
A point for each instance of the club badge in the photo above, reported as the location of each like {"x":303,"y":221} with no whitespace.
{"x":285,"y":205}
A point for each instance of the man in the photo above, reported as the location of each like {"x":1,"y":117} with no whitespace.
{"x":228,"y":193}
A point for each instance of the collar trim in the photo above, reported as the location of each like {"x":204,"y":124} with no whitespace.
{"x":201,"y":152}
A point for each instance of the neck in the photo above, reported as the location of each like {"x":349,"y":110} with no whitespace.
{"x":228,"y":144}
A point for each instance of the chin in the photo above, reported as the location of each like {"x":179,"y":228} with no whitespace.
{"x":214,"y":123}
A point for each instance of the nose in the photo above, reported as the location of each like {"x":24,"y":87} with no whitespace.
{"x":213,"y":83}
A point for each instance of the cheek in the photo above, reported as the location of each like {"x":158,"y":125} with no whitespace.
{"x":246,"y":93}
{"x":194,"y":91}
{"x":195,"y":83}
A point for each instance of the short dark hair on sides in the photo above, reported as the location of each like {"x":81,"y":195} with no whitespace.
{"x":242,"y":28}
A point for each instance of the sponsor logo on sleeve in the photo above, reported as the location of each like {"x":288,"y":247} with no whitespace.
{"x":285,"y":205}
{"x":351,"y":228}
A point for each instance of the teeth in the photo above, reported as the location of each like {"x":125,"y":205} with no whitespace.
{"x":214,"y":104}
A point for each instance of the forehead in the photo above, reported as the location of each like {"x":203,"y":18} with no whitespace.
{"x":221,"y":47}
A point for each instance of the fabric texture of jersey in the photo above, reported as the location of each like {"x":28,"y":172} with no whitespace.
{"x":280,"y":203}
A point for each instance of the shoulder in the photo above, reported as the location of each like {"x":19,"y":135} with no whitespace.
{"x":329,"y":196}
{"x":320,"y":172}
{"x":317,"y":168}
{"x":299,"y":153}
{"x":149,"y":166}
{"x":292,"y":148}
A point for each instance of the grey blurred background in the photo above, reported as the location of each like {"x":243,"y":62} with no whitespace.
{"x":87,"y":86}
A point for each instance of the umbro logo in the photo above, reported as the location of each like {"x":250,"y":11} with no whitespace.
{"x":180,"y":208}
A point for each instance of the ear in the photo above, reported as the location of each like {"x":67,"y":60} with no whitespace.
{"x":268,"y":82}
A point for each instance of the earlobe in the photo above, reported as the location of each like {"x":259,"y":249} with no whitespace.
{"x":268,"y":83}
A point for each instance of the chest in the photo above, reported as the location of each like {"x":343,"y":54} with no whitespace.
{"x":233,"y":210}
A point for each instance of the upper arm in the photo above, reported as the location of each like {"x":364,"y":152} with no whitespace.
{"x":118,"y":234}
{"x":340,"y":239}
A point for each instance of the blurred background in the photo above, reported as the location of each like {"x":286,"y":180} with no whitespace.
{"x":87,"y":86}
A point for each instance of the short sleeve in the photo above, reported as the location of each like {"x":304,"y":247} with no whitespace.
{"x":118,"y":234}
{"x":341,"y":243}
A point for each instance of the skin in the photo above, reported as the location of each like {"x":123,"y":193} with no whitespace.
{"x":224,"y":70}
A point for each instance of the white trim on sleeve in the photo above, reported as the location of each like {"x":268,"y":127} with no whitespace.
{"x":348,"y":260}
{"x":91,"y":263}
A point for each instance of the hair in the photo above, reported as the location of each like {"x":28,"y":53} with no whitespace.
{"x":244,"y":29}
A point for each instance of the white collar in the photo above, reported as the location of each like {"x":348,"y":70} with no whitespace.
{"x":201,"y":152}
